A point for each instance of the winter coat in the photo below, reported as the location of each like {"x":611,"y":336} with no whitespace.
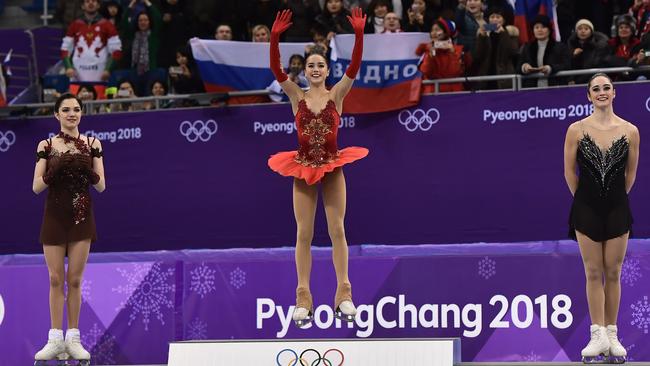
{"x":501,"y":49}
{"x":556,"y":56}
{"x":594,"y":52}
{"x":441,"y":65}
{"x":467,"y":26}
{"x":338,"y":24}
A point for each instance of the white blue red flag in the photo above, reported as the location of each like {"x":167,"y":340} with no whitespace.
{"x":234,"y":66}
{"x":527,"y":10}
{"x":388,"y":79}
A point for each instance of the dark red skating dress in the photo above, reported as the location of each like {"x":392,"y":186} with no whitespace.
{"x":317,"y":153}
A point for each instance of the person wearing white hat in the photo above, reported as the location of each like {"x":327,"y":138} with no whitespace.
{"x":588,"y":49}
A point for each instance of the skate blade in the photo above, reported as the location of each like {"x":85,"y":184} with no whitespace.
{"x":303,"y":323}
{"x":617,"y":359}
{"x":338,"y":314}
{"x":600,"y":359}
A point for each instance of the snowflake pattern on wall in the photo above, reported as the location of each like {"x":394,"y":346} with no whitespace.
{"x":202,"y":280}
{"x":196,"y":329}
{"x":631,"y":271}
{"x":149,"y":290}
{"x":238,"y":278}
{"x":100,"y":344}
{"x":641,"y":314}
{"x":531,"y":357}
{"x":487,"y":268}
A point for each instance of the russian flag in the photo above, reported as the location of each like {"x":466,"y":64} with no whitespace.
{"x":388,"y":79}
{"x":527,"y":10}
{"x":235,"y":66}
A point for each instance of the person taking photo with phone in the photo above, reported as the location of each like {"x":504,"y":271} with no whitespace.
{"x":442,"y":58}
{"x":497,"y":48}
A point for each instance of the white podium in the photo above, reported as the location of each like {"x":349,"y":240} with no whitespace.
{"x":330,"y":352}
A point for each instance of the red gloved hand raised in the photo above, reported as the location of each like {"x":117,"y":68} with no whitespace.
{"x":358,"y":21}
{"x":282,"y":23}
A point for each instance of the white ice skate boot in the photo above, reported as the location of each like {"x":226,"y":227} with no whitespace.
{"x":617,"y":353}
{"x":303,"y":313}
{"x":74,"y":348}
{"x":345,"y":309}
{"x":53,"y":350}
{"x":598,"y":348}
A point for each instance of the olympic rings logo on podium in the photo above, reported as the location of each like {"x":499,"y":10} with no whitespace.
{"x":6,"y":140}
{"x":198,"y":130}
{"x":418,"y":119}
{"x":309,"y":357}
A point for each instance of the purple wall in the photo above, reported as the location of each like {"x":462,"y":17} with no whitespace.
{"x":460,"y":179}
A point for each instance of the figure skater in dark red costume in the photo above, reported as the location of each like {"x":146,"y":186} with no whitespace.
{"x":318,"y":159}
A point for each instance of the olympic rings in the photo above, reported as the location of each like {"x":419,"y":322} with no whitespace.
{"x":6,"y":140}
{"x":304,"y":360}
{"x":418,"y":119}
{"x":198,"y":130}
{"x":647,"y":104}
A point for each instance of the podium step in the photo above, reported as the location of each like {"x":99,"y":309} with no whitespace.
{"x":331,"y":352}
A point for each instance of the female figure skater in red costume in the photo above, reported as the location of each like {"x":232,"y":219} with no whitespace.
{"x":318,"y":159}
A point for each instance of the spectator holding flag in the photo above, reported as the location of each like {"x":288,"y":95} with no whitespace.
{"x":90,"y":46}
{"x":640,"y":10}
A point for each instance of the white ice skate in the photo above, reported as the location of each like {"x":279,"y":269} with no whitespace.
{"x":344,"y":307}
{"x":303,"y":313}
{"x":346,"y":311}
{"x":597,"y":350}
{"x":76,"y":351}
{"x":617,"y":353}
{"x":53,"y":350}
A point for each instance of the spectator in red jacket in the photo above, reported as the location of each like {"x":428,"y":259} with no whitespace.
{"x":640,"y":10}
{"x":90,"y":46}
{"x":442,"y":57}
{"x":622,"y":47}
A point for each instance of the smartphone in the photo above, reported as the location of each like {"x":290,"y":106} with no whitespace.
{"x":175,"y":70}
{"x":123,"y":93}
{"x":441,"y":44}
{"x":490,"y":27}
{"x":646,"y":53}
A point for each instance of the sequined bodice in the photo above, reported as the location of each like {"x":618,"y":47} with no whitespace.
{"x":70,"y":185}
{"x":317,"y":134}
{"x":602,"y":173}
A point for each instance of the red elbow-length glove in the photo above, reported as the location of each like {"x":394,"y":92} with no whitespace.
{"x":282,"y":23}
{"x":358,"y":21}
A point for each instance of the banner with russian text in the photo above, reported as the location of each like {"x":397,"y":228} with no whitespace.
{"x":389,"y":78}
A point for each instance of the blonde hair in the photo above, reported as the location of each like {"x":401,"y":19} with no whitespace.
{"x":257,"y":28}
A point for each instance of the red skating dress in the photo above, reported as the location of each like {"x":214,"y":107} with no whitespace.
{"x":317,"y":153}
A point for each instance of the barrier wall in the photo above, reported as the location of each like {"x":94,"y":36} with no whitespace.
{"x":507,"y":302}
{"x":458,"y":168}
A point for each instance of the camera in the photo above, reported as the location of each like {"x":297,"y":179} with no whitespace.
{"x":49,"y":95}
{"x":175,"y":70}
{"x":490,"y":27}
{"x":123,"y":93}
{"x":441,"y":44}
{"x":646,"y":53}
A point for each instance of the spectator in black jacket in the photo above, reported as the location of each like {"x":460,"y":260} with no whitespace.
{"x":185,"y":76}
{"x":587,"y":48}
{"x":334,"y":18}
{"x":543,"y":55}
{"x":377,"y":10}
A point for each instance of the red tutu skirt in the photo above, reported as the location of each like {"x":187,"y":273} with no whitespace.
{"x":286,"y":165}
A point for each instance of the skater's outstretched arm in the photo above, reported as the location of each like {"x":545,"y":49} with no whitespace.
{"x":282,"y":23}
{"x":341,"y":89}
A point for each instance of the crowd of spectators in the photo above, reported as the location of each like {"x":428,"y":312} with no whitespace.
{"x":140,"y":47}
